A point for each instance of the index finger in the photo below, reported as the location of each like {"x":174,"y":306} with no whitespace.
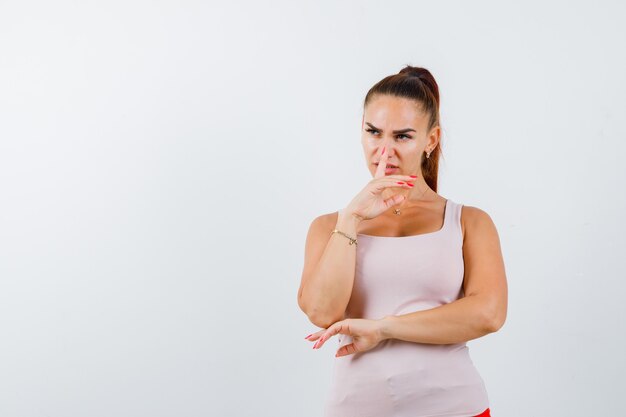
{"x":382,"y":164}
{"x":336,"y":328}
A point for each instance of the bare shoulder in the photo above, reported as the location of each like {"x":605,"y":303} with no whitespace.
{"x":317,"y":237}
{"x":475,"y":220}
{"x":322,"y":224}
{"x":327,"y":220}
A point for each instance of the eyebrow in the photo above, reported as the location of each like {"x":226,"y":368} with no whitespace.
{"x":408,"y":129}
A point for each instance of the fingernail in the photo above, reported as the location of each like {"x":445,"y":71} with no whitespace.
{"x":309,"y":336}
{"x":413,"y":176}
{"x":409,"y":184}
{"x":383,"y":150}
{"x":399,"y":182}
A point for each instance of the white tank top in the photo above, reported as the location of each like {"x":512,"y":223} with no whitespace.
{"x":399,"y":275}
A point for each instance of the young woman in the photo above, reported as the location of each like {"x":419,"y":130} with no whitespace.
{"x":403,"y":276}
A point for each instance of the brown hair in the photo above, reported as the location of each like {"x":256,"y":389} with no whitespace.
{"x":417,"y":84}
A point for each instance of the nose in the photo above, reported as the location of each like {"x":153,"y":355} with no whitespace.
{"x":388,"y":145}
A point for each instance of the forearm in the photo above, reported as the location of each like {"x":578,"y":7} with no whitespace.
{"x":456,"y":322}
{"x":328,"y":292}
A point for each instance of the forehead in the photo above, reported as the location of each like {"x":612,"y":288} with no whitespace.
{"x":394,"y":113}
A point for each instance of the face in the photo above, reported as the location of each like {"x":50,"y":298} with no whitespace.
{"x":399,"y":125}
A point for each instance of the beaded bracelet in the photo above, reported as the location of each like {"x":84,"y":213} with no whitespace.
{"x":351,"y":239}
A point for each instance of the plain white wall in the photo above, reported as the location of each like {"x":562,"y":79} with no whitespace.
{"x":160,"y":163}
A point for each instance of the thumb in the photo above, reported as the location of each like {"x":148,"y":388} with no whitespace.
{"x":346,"y":350}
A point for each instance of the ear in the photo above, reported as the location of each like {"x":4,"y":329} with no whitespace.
{"x":434,"y":137}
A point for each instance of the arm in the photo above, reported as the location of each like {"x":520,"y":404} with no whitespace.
{"x":484,"y":307}
{"x":329,"y":266}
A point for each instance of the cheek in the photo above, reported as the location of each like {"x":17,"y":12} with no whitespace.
{"x":369,"y":142}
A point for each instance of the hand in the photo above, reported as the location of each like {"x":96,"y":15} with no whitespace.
{"x":366,"y":335}
{"x":370,"y":202}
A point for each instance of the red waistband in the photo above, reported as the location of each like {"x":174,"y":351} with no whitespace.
{"x":485,"y":413}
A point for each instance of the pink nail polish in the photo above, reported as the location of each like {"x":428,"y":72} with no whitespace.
{"x":384,"y":147}
{"x":309,"y":336}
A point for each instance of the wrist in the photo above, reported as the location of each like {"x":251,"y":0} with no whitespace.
{"x":346,"y":215}
{"x":385,"y":327}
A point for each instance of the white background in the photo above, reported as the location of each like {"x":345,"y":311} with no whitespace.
{"x":161,"y":161}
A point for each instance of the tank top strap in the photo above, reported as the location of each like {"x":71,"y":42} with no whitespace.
{"x":453,"y":220}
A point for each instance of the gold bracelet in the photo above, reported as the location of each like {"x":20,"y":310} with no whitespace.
{"x":351,"y":239}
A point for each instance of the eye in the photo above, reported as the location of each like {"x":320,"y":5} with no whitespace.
{"x":373,"y":131}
